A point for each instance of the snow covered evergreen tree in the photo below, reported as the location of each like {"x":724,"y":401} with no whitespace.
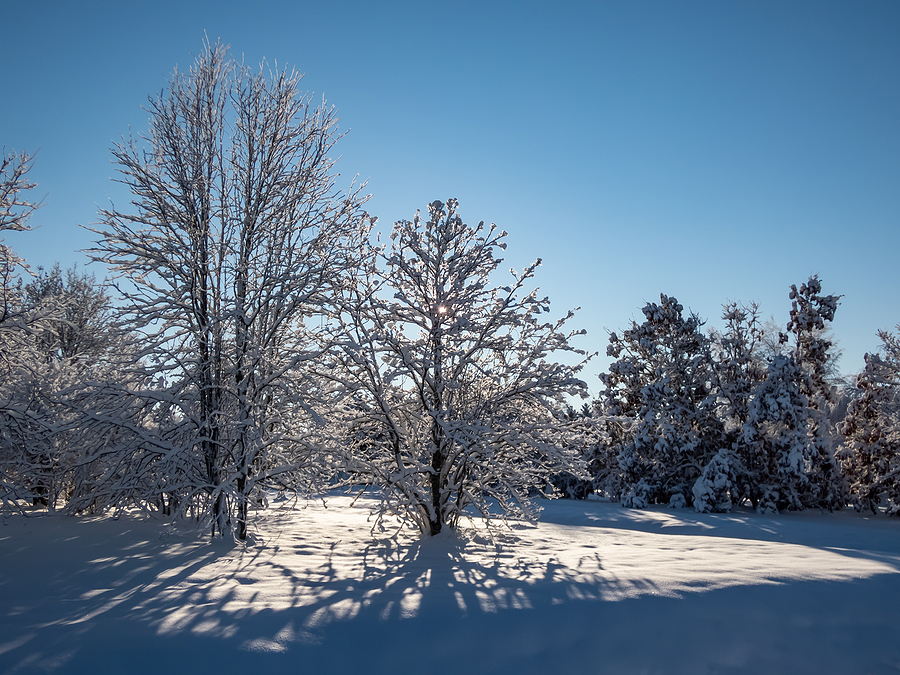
{"x":588,"y":439}
{"x":870,"y":457}
{"x":448,"y":389}
{"x":739,"y":367}
{"x":777,"y":438}
{"x":662,"y":381}
{"x":792,"y":448}
{"x":814,"y":352}
{"x":729,"y":478}
{"x":237,"y":237}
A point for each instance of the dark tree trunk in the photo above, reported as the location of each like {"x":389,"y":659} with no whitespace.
{"x":437,"y":463}
{"x":243,"y":501}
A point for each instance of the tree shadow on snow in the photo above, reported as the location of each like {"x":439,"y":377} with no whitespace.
{"x":115,"y":596}
{"x":859,"y":535}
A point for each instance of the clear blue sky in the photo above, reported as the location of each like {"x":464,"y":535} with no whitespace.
{"x":709,"y":150}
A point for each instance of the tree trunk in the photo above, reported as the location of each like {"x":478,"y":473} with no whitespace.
{"x":437,"y":463}
{"x":242,"y":506}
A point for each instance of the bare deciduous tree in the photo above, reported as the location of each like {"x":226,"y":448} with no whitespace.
{"x":451,"y":398}
{"x":15,"y":208}
{"x":16,"y":320}
{"x":236,"y":236}
{"x":20,"y":425}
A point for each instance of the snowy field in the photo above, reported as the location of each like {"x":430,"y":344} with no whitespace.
{"x":594,"y":588}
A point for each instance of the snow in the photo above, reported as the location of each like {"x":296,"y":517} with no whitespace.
{"x":593,"y":588}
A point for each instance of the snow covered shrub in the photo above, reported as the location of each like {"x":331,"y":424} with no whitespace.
{"x":640,"y":495}
{"x":450,"y":378}
{"x":677,"y":501}
{"x":717,"y":484}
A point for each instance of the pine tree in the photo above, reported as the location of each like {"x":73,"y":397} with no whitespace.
{"x":790,"y":443}
{"x":731,"y":476}
{"x":813,"y":352}
{"x":870,"y":457}
{"x":777,"y":438}
{"x":660,"y":385}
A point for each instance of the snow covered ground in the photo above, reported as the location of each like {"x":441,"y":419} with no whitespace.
{"x":594,"y":588}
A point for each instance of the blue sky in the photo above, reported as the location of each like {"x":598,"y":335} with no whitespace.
{"x":712,"y":151}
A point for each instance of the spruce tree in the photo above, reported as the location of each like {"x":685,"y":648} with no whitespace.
{"x":661,"y":382}
{"x":731,"y":475}
{"x":870,"y":458}
{"x":787,"y":433}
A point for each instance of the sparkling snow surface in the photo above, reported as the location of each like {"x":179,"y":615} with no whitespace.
{"x":594,"y":588}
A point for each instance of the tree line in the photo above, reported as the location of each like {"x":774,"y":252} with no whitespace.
{"x":747,"y":415}
{"x":256,"y":340}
